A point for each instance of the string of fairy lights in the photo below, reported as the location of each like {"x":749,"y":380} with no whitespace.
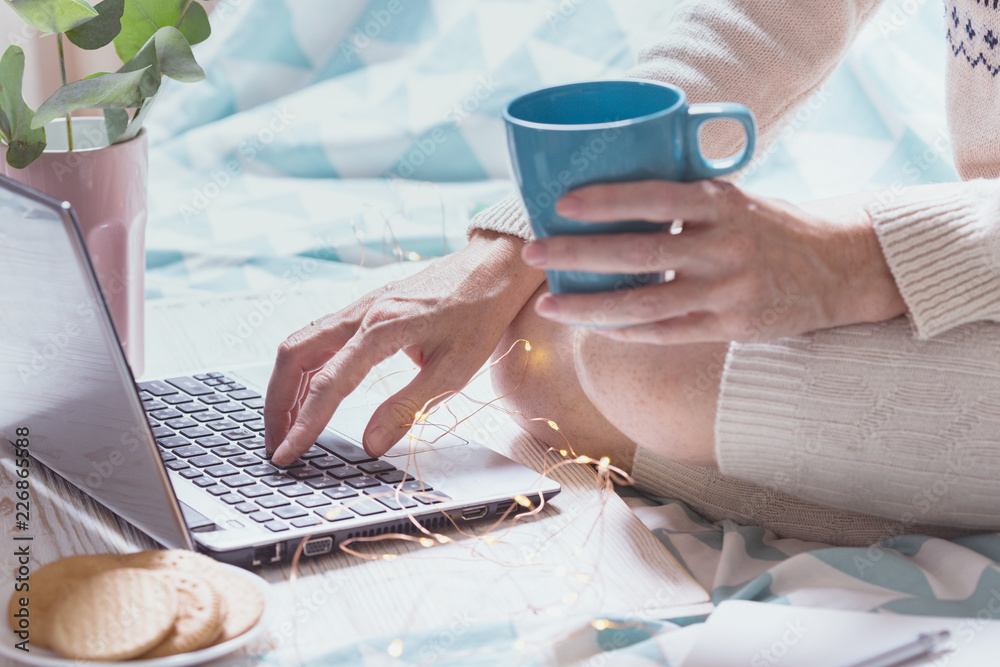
{"x":605,"y":475}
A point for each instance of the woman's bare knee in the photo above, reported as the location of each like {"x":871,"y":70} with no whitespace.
{"x":661,"y":397}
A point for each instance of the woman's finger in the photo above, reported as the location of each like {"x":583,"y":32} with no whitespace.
{"x":690,"y":328}
{"x":652,"y":201}
{"x":645,"y":252}
{"x":628,"y":307}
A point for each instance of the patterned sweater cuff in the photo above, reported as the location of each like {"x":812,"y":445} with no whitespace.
{"x":506,"y":216}
{"x":942,"y":245}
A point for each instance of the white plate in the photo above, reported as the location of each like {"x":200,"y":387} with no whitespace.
{"x":46,"y":658}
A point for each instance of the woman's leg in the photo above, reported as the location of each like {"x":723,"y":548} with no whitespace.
{"x":607,"y":397}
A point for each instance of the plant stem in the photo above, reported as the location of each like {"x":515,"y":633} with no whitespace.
{"x":62,"y":74}
{"x":186,"y":5}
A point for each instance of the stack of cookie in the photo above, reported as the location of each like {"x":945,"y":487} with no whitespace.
{"x":144,"y":605}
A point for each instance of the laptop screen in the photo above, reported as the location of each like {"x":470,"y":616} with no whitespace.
{"x":64,"y":383}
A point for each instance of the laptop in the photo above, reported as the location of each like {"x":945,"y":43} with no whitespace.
{"x":182,"y":458}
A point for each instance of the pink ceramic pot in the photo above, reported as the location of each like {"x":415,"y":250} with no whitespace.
{"x":106,"y":185}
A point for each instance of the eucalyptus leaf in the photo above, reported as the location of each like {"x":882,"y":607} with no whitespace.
{"x":24,"y":143}
{"x":135,"y":126}
{"x":194,"y":24}
{"x":142,"y":18}
{"x":167,"y":53}
{"x":101,"y":30}
{"x":108,"y":91}
{"x":115,"y":122}
{"x":53,"y":15}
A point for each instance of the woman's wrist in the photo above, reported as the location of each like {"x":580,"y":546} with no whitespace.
{"x":871,"y":294}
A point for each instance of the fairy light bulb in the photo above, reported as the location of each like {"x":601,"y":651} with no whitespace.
{"x":604,"y":462}
{"x":489,"y":539}
{"x":412,"y":256}
{"x":519,"y":645}
{"x":563,"y":452}
{"x":523,"y":501}
{"x":582,"y":459}
{"x":389,"y":556}
{"x":571,"y":598}
{"x":426,"y":542}
{"x":554,"y":426}
{"x":527,"y":346}
{"x":396,"y":648}
{"x":600,"y":624}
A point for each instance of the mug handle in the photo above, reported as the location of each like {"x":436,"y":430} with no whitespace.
{"x":698,"y":165}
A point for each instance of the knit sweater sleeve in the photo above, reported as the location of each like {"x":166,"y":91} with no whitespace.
{"x":942,"y":244}
{"x":767,"y":55}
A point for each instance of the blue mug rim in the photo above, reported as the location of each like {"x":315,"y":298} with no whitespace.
{"x":509,"y":118}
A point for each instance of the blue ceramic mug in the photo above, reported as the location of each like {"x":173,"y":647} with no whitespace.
{"x":565,"y":137}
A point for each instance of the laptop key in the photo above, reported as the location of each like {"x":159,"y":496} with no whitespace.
{"x":365,"y":507}
{"x":161,"y":432}
{"x":392,"y":503}
{"x":190,"y":473}
{"x":213,"y":399}
{"x":231,"y":499}
{"x":394,"y":477}
{"x":176,"y":465}
{"x":322,"y":483}
{"x":228,"y":407}
{"x":252,"y":444}
{"x":242,"y":461}
{"x":295,"y":491}
{"x":314,"y":452}
{"x":346,"y":450}
{"x":340,"y":492}
{"x":273,"y":501}
{"x":212,"y":441}
{"x":172,"y":441}
{"x":177,"y":399}
{"x":157,"y":388}
{"x":207,"y":416}
{"x":326,"y":462}
{"x":290,"y":512}
{"x":238,"y":434}
{"x":261,"y":469}
{"x":243,"y":395}
{"x":255,"y":491}
{"x":195,"y":432}
{"x":305,"y":472}
{"x":191,"y":408}
{"x":417,"y":486}
{"x":205,"y":461}
{"x":181,"y":422}
{"x":217,"y":490}
{"x":188,"y":451}
{"x":260,"y":516}
{"x":306,"y":521}
{"x":277,"y":480}
{"x":336,"y":513}
{"x":257,"y":425}
{"x":344,"y":473}
{"x":363,"y":482}
{"x":228,"y":450}
{"x":151,"y":404}
{"x":254,"y":403}
{"x":223,"y":425}
{"x":375,"y":467}
{"x":222,"y":471}
{"x":245,"y":416}
{"x":189,"y":386}
{"x":246,"y":508}
{"x":165,"y":413}
{"x":236,"y":481}
{"x":204,"y":481}
{"x":431,"y":497}
{"x":313,"y":501}
{"x":165,"y":455}
{"x":275,"y":526}
{"x":201,"y":376}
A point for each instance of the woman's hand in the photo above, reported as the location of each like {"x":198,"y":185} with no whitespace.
{"x":448,"y":319}
{"x":746,"y":268}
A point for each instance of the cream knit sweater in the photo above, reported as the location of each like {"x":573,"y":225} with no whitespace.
{"x":855,"y":434}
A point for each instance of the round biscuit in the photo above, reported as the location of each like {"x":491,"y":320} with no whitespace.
{"x":51,"y":583}
{"x":244,"y":604}
{"x":199,"y":615}
{"x":114,"y":615}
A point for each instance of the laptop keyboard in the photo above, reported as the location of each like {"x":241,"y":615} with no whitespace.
{"x":210,"y":430}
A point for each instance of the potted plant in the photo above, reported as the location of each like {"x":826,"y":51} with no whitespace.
{"x":99,"y":163}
